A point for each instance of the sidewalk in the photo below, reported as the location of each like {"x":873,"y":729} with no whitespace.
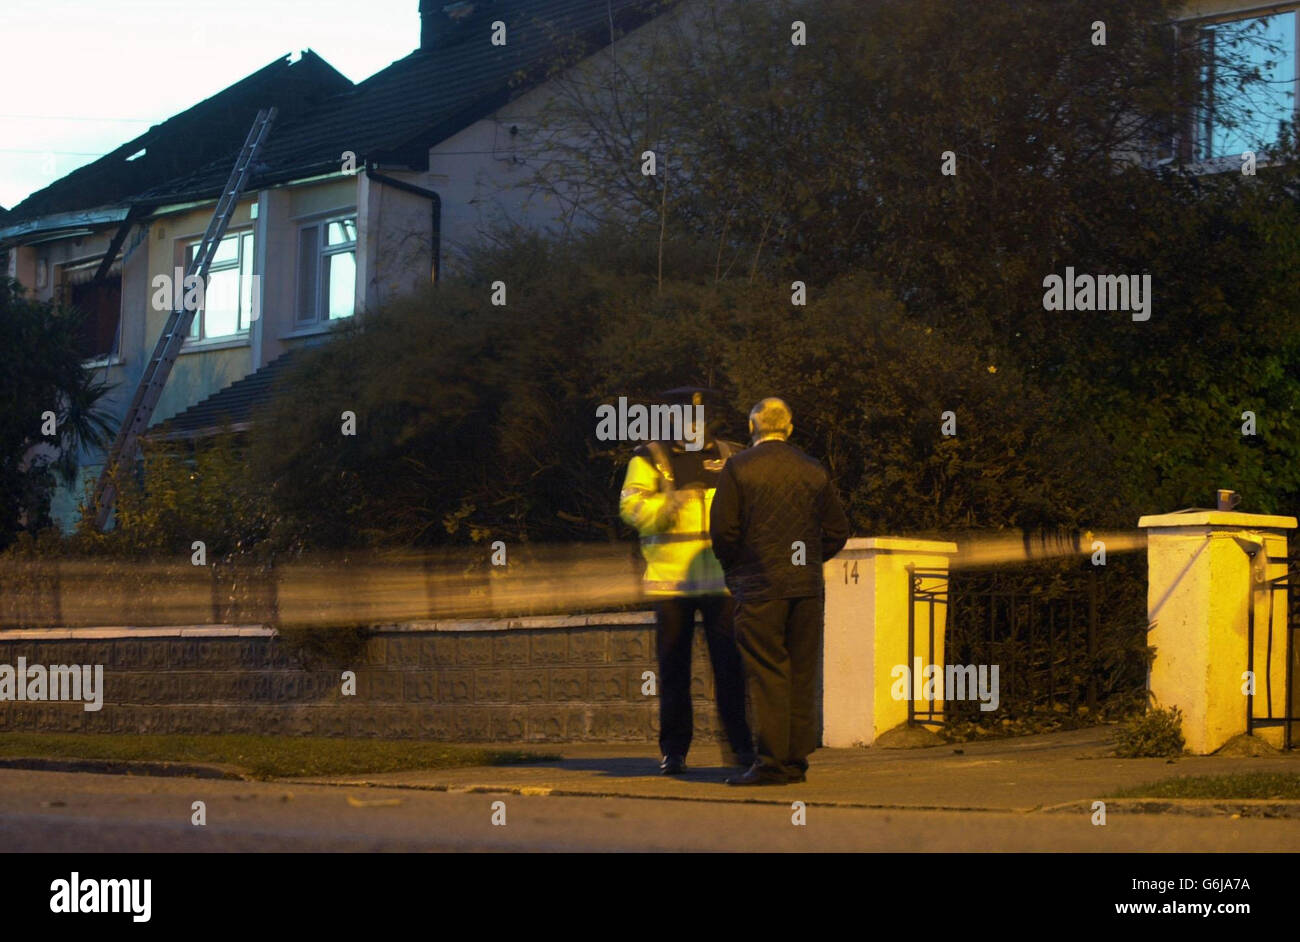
{"x":1052,"y":771}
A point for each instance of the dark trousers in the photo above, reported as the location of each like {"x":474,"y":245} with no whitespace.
{"x":675,"y":619}
{"x":780,"y":644}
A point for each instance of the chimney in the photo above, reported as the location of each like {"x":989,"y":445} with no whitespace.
{"x":429,"y":15}
{"x":445,"y":23}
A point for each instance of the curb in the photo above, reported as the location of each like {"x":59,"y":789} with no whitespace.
{"x":125,"y":767}
{"x":737,"y":797}
{"x":1202,"y":807}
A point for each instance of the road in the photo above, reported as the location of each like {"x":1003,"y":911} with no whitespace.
{"x":82,"y":812}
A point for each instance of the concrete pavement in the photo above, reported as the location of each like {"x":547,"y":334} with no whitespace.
{"x":1015,"y":775}
{"x":1028,"y":794}
{"x":89,"y":813}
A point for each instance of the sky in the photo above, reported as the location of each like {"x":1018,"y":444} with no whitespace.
{"x":81,"y":77}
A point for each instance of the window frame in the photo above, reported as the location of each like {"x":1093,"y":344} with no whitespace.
{"x":1197,"y":151}
{"x":61,"y":290}
{"x":320,"y":318}
{"x":198,"y":337}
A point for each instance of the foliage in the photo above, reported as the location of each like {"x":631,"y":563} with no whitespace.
{"x":1156,"y":733}
{"x":477,"y":421}
{"x":813,"y":162}
{"x":1247,"y":785}
{"x":41,"y":371}
{"x":265,"y":757}
{"x":179,"y":494}
{"x":1033,"y":724}
{"x":826,"y":156}
{"x":176,"y":496}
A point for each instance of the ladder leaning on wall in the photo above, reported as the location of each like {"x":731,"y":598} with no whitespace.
{"x":177,"y":328}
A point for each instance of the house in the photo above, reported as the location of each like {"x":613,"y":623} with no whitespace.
{"x":84,"y":240}
{"x":359,"y":195}
{"x":58,"y":235}
{"x":363,"y":193}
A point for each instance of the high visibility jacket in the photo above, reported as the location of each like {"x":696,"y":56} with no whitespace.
{"x":675,"y":533}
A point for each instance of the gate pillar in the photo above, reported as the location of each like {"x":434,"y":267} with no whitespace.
{"x":1214,"y":613}
{"x":868,"y":603}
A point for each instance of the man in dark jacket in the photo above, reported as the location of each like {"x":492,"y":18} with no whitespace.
{"x":775,"y":519}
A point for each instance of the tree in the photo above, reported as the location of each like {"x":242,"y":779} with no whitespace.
{"x":816,"y":161}
{"x":51,"y":407}
{"x":826,"y":157}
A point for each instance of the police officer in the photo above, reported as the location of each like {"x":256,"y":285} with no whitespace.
{"x":666,"y":497}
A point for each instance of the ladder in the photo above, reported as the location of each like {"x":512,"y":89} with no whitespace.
{"x":177,"y":328}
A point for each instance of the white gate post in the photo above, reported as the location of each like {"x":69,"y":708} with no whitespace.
{"x":1206,"y":569}
{"x":868,"y":594}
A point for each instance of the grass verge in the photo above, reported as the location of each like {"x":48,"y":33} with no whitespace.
{"x":1276,"y":785}
{"x":265,"y":757}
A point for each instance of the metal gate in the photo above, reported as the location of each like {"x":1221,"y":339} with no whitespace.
{"x":1044,"y":643}
{"x":1288,"y":583}
{"x":1047,"y":648}
{"x":929,"y":588}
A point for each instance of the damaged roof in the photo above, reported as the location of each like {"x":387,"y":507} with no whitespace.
{"x":396,"y":115}
{"x":393,"y":117}
{"x":185,"y":142}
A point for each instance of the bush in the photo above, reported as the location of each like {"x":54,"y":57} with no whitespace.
{"x":1155,"y":734}
{"x":178,"y":494}
{"x":476,"y":422}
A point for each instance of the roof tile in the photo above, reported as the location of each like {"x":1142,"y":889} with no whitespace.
{"x":231,"y":407}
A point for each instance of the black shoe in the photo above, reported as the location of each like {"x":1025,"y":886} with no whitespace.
{"x":758,"y":775}
{"x":672,"y":765}
{"x":747,"y":760}
{"x":796,"y":777}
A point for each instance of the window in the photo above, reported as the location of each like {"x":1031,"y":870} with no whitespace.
{"x":1248,"y":101}
{"x":327,"y":271}
{"x":228,"y":296}
{"x":100,"y":303}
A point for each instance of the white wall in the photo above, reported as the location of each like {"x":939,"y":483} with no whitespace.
{"x":484,"y":173}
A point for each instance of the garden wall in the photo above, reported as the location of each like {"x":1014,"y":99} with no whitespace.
{"x":546,"y":679}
